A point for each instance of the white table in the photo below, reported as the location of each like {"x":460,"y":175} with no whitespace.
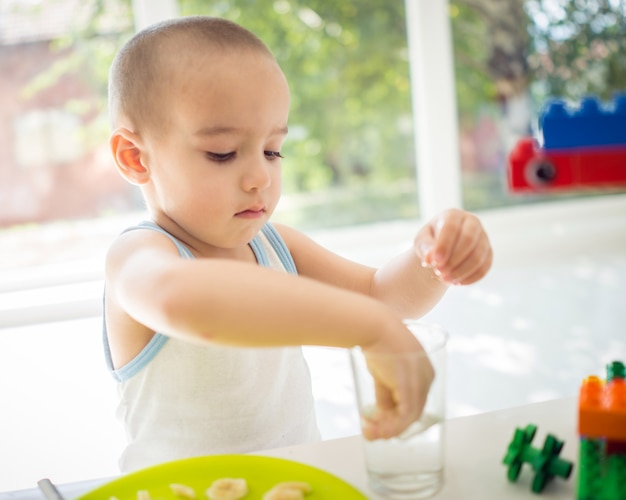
{"x":475,"y":447}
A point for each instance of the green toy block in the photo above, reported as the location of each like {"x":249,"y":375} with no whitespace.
{"x":545,"y":461}
{"x":615,"y":477}
{"x":615,"y":370}
{"x":590,"y":466}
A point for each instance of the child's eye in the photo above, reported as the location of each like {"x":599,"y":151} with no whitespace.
{"x":272,"y":155}
{"x":220,"y":156}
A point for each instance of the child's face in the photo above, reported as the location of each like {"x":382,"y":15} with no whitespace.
{"x":215,"y":173}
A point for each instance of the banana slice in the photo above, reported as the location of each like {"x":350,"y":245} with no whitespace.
{"x":292,"y":490}
{"x":227,"y":489}
{"x":182,"y":491}
{"x":143,"y":495}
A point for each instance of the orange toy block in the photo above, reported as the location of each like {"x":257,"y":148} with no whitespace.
{"x":602,"y":409}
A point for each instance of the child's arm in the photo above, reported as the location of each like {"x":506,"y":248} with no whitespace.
{"x":237,"y":303}
{"x":453,"y":248}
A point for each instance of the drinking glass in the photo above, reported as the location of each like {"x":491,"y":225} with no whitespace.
{"x":410,"y":465}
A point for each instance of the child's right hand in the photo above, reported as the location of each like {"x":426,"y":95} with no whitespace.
{"x":402,"y":378}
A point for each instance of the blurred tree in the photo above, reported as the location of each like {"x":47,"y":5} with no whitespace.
{"x":504,"y":38}
{"x":96,"y":31}
{"x":578,"y":47}
{"x":559,"y":48}
{"x":347,"y":66}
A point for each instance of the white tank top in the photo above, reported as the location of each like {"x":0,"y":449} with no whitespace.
{"x":180,"y":399}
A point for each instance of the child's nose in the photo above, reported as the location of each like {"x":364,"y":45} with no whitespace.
{"x":257,"y":175}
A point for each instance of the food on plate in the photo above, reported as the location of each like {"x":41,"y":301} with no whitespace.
{"x":292,"y":490}
{"x":227,"y":489}
{"x":182,"y":491}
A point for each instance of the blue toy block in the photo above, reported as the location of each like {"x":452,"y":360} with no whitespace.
{"x":591,"y":125}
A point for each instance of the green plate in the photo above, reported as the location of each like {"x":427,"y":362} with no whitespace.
{"x":261,"y":474}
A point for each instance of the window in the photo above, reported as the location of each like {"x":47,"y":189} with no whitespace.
{"x":510,"y":58}
{"x":47,"y":138}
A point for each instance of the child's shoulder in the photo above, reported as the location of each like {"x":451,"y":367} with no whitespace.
{"x":142,"y":238}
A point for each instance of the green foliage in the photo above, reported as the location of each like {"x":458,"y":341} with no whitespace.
{"x":579,"y":47}
{"x":348,"y":205}
{"x":85,"y":53}
{"x":474,"y":85}
{"x":348,"y":71}
{"x":574,"y":48}
{"x":95,"y":34}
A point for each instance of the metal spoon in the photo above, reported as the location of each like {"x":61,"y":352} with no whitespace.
{"x":49,"y":490}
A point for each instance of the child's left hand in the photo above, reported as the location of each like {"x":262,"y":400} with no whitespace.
{"x":456,"y":246}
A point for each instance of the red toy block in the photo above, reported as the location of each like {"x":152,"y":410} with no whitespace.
{"x":533,"y":169}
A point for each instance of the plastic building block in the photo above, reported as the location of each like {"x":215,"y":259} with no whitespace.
{"x":588,"y":126}
{"x":615,"y":370}
{"x":602,"y":406}
{"x":545,"y":462}
{"x":590,"y":465}
{"x":601,"y":476}
{"x":616,"y":477}
{"x":583,"y":148}
{"x":602,"y":429}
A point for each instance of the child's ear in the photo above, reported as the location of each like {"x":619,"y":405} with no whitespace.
{"x":127,"y":152}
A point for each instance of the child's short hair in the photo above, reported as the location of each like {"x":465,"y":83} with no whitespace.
{"x":137,"y":76}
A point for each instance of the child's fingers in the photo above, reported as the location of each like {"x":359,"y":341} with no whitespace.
{"x":467,"y":238}
{"x":386,"y":425}
{"x":476,"y":272}
{"x":444,"y":230}
{"x":472,"y":256}
{"x":448,"y":229}
{"x":423,"y":245}
{"x":468,"y":261}
{"x":460,"y":249}
{"x":390,"y":422}
{"x":400,"y":397}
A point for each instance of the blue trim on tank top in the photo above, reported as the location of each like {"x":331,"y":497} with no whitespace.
{"x":259,"y":252}
{"x":146,"y":355}
{"x":278,"y":244}
{"x":158,"y":341}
